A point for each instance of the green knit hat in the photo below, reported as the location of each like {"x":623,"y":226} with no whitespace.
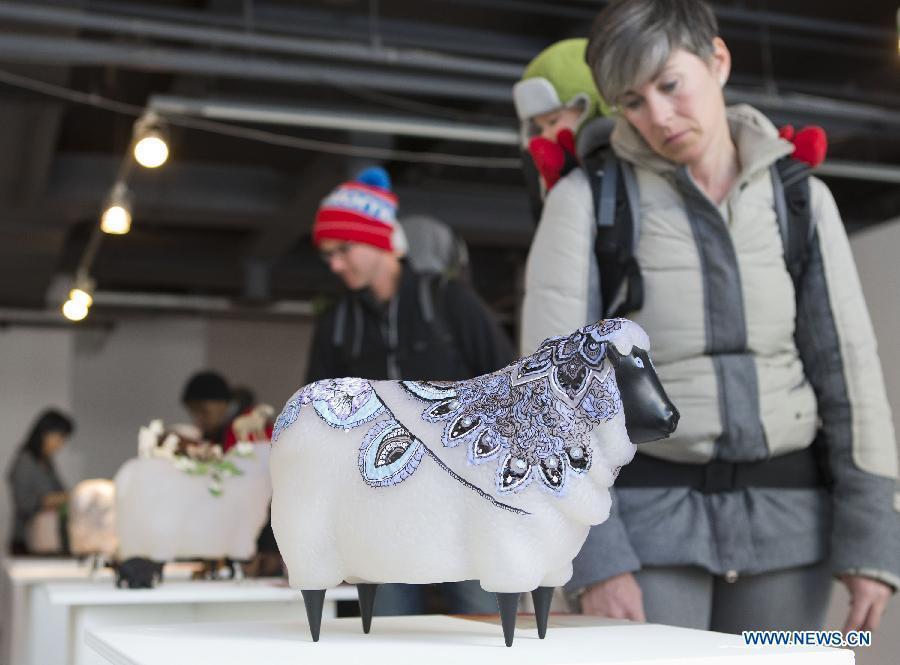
{"x":557,"y":78}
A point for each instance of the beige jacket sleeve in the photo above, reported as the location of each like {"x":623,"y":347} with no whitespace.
{"x":562,"y":290}
{"x":840,"y":356}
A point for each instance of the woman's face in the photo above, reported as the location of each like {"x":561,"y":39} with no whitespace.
{"x":680,"y":112}
{"x":53,"y":443}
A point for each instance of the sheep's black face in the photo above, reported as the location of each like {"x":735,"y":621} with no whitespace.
{"x":649,"y":413}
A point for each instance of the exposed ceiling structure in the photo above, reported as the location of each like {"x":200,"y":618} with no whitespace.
{"x":313,"y":91}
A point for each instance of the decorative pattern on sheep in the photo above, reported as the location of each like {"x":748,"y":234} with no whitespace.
{"x":534,"y":418}
{"x":342,"y":403}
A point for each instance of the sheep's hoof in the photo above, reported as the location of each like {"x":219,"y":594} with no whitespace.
{"x":541,"y":598}
{"x":509,"y":605}
{"x":139,"y":573}
{"x":366,"y":593}
{"x":314,"y":599}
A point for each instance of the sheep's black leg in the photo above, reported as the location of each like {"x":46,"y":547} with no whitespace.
{"x":366,"y":593}
{"x":509,"y":605}
{"x":541,"y":598}
{"x":314,"y":599}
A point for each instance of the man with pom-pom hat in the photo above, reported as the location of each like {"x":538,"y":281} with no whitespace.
{"x":395,"y":323}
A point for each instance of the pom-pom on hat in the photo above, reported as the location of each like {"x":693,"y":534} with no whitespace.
{"x":363,"y":210}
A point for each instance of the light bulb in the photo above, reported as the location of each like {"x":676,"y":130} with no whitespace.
{"x":151,"y":151}
{"x":82,"y":296}
{"x":116,"y":220}
{"x":74,"y":310}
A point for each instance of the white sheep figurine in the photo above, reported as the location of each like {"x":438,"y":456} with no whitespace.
{"x":92,"y":519}
{"x":163,"y":514}
{"x":498,"y":478}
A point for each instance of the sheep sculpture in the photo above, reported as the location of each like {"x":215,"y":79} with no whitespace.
{"x":164,"y":514}
{"x":92,"y":520}
{"x":497,"y":478}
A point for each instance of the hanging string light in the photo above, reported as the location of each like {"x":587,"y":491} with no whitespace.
{"x":116,"y":217}
{"x":151,"y":147}
{"x":80,"y":298}
{"x":74,"y":310}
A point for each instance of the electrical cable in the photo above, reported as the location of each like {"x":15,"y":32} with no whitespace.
{"x":259,"y":135}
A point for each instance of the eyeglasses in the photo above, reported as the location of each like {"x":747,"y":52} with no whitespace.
{"x":339,"y":250}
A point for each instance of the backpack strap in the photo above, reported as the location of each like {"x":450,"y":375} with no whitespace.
{"x":340,"y":324}
{"x":431,"y":303}
{"x":347,"y":337}
{"x":793,"y":208}
{"x":616,"y":202}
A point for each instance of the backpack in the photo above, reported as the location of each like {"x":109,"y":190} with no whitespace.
{"x":616,"y":200}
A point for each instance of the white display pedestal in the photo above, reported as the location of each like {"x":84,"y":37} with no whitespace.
{"x":61,"y":614}
{"x":23,"y":576}
{"x":442,"y":640}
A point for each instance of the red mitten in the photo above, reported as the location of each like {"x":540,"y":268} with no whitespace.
{"x":786,"y":132}
{"x":549,"y":158}
{"x":810,"y":143}
{"x":566,"y":139}
{"x":553,"y":157}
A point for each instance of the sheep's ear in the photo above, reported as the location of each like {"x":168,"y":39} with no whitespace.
{"x":612,"y":354}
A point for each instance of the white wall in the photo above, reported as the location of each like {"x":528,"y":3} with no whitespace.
{"x":269,"y":357}
{"x":126,"y":376}
{"x":877,"y":254}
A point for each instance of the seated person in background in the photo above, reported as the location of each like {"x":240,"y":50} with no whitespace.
{"x":36,"y":487}
{"x":218,"y":414}
{"x":226,"y":416}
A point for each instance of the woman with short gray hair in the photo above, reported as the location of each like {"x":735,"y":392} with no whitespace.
{"x":741,"y":274}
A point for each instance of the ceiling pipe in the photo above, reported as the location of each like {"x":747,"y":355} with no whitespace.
{"x":329,"y":118}
{"x":859,"y":171}
{"x":266,"y":18}
{"x":44,"y":50}
{"x":59,"y":17}
{"x":201,"y":304}
{"x":65,"y":51}
{"x":740,"y":15}
{"x":233,"y":111}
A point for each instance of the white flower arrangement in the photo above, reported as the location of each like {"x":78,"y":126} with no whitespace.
{"x":197,"y":458}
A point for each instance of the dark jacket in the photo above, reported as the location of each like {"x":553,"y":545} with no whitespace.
{"x":397,"y":340}
{"x":30,"y":481}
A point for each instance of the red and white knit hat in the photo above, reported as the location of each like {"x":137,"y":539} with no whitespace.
{"x":363,"y":210}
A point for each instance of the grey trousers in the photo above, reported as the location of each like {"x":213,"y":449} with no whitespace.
{"x":792,"y":599}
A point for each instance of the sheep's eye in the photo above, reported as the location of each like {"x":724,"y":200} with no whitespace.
{"x":639,"y":362}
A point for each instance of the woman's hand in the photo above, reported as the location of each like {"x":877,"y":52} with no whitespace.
{"x":54,"y":500}
{"x":868,"y":598}
{"x":618,"y":597}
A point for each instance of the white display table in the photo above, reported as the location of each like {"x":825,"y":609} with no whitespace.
{"x":439,"y":640}
{"x":61,"y":614}
{"x":22,"y":576}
